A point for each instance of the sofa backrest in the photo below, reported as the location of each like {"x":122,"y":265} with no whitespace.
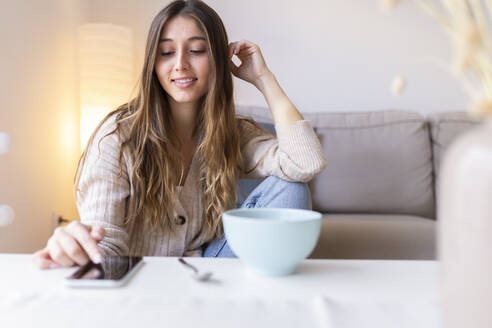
{"x":445,"y":127}
{"x":378,"y":162}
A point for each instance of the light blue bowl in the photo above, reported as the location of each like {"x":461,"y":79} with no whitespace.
{"x":272,"y":241}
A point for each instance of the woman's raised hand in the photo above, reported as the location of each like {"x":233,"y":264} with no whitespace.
{"x":71,"y":245}
{"x":253,"y":65}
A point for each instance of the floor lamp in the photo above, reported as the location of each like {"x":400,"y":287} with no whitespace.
{"x":106,"y":72}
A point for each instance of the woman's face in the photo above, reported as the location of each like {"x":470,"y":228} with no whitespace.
{"x":182,"y":63}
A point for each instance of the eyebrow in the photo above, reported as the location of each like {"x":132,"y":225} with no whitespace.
{"x":189,"y":39}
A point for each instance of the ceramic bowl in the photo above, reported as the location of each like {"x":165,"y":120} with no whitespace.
{"x":272,"y":241}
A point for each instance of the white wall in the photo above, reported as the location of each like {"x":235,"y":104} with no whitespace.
{"x":330,"y":55}
{"x":39,"y":109}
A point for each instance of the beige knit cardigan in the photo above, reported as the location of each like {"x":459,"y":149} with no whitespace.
{"x":102,"y":197}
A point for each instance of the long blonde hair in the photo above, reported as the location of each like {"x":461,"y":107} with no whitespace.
{"x":157,"y":161}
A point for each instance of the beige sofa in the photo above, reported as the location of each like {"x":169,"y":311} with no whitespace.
{"x":378,"y":192}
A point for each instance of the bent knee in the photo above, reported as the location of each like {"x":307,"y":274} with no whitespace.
{"x":294,"y":186}
{"x":300,"y":189}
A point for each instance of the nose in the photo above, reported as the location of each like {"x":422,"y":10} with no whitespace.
{"x":181,"y":61}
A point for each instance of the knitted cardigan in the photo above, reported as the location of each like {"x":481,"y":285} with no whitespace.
{"x":103,"y":196}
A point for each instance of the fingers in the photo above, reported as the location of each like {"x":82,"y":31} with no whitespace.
{"x":232,"y":49}
{"x":57,"y":253}
{"x":42,"y":260}
{"x":72,"y":248}
{"x":233,"y":67}
{"x":97,"y":232}
{"x":242,"y":48}
{"x":235,"y":48}
{"x":83,"y":235}
{"x":250,"y":57}
{"x":69,"y":245}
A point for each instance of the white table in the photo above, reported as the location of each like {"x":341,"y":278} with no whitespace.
{"x":321,"y":293}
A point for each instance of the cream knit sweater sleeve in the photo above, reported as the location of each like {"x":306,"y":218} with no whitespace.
{"x":295,"y":155}
{"x":102,"y":194}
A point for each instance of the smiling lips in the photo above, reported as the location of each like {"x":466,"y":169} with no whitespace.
{"x":184,"y":82}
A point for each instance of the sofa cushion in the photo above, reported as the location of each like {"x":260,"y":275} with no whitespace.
{"x":259,"y":113}
{"x":445,"y":127}
{"x":345,"y":236}
{"x":378,"y":162}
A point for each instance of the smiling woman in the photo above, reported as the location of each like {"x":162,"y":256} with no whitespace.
{"x":160,"y":170}
{"x":182,"y":64}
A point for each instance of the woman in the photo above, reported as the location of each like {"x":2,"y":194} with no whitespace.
{"x":159,"y":171}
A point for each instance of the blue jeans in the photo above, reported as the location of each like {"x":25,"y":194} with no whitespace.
{"x":272,"y":192}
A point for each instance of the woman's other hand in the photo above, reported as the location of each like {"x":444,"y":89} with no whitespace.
{"x":71,"y":245}
{"x":253,"y":66}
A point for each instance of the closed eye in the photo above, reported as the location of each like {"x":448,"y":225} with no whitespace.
{"x":192,"y":51}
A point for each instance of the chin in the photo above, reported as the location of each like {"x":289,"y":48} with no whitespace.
{"x":185,"y":100}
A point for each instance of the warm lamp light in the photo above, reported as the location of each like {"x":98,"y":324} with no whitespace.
{"x":106,"y":73}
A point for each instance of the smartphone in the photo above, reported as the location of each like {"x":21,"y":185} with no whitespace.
{"x":113,"y":271}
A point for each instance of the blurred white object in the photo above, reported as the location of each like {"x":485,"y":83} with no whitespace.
{"x":465,"y":226}
{"x":398,"y":85}
{"x":6,"y":215}
{"x":6,"y":212}
{"x":4,"y":143}
{"x":106,"y":73}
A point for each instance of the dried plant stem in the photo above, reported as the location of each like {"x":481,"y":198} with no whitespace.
{"x":467,"y":22}
{"x":480,"y":15}
{"x":434,"y":12}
